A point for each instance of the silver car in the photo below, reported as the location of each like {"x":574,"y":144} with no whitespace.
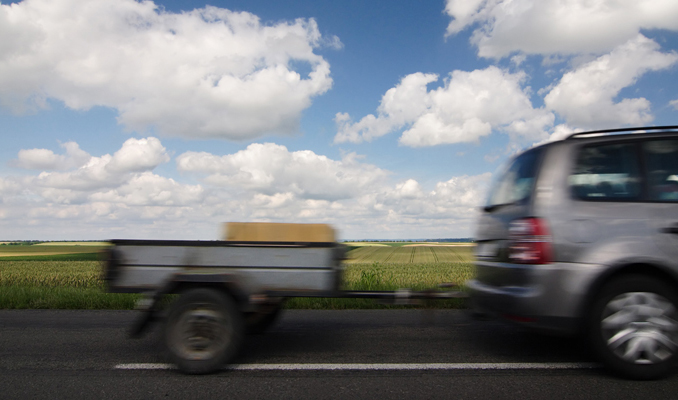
{"x":580,"y":236}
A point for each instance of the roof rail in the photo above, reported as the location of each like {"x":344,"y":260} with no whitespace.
{"x":618,"y":130}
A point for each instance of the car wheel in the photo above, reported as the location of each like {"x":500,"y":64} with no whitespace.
{"x":203,"y":331}
{"x":634,"y":327}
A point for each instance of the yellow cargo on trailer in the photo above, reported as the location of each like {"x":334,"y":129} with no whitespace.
{"x":278,"y":232}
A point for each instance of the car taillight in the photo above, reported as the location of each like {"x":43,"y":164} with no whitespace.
{"x":530,"y":242}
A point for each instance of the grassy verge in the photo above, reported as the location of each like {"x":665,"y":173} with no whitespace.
{"x":77,"y":285}
{"x":70,"y":298}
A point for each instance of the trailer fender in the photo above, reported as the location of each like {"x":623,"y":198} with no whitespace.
{"x":150,"y":304}
{"x":223,"y":281}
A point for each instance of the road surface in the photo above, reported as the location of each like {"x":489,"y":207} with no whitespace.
{"x":309,"y":354}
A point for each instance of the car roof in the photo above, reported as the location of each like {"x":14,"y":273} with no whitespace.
{"x":624,"y":132}
{"x":609,"y":134}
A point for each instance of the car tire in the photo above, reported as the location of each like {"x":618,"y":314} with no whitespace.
{"x":203,"y":331}
{"x":633,"y":327}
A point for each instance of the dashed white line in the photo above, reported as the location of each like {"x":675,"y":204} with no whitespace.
{"x":377,"y":367}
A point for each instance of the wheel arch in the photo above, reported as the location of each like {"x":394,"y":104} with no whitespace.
{"x":224,"y":283}
{"x":650,"y":269}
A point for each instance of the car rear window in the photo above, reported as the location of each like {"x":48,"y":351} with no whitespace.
{"x":515,"y":184}
{"x":608,"y":172}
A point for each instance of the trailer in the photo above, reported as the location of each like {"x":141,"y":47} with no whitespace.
{"x":231,"y":287}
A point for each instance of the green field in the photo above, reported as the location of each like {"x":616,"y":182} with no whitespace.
{"x":57,"y":285}
{"x":411,"y":254}
{"x":390,"y":267}
{"x":53,"y":251}
{"x":48,"y":281}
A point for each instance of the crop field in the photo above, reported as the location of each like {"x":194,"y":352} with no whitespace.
{"x":42,"y":280}
{"x":53,"y":251}
{"x":417,"y":267}
{"x":57,"y":285}
{"x":411,"y":254}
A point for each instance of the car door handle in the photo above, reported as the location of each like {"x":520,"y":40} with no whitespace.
{"x":671,"y":229}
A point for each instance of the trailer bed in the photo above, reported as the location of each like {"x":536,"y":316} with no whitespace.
{"x":137,"y":266}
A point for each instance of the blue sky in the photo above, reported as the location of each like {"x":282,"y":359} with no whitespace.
{"x":386,"y":119}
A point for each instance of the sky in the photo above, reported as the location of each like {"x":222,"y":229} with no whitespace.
{"x":386,"y":119}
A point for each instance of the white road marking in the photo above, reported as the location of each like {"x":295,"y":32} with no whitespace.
{"x":377,"y":367}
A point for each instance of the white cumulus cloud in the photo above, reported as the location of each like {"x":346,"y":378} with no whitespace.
{"x":271,"y":169}
{"x":585,"y":97}
{"x":467,"y":107}
{"x":136,"y":155}
{"x":44,"y":159}
{"x":267,"y":182}
{"x":105,"y":196}
{"x":557,"y":26}
{"x":150,"y":189}
{"x":120,"y":195}
{"x":210,"y":72}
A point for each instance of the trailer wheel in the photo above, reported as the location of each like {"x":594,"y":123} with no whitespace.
{"x":634,"y":327}
{"x":259,"y":321}
{"x":203,"y":332}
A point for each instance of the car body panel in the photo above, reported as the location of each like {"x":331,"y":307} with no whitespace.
{"x":592,"y":238}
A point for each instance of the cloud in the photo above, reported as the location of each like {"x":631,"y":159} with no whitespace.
{"x":136,"y":155}
{"x":44,"y":159}
{"x":139,"y":155}
{"x":600,"y":39}
{"x":106,"y":195}
{"x":273,"y":184}
{"x":120,"y":195}
{"x":451,"y":206}
{"x":404,"y":209}
{"x":459,"y":196}
{"x":464,"y":13}
{"x":271,"y":169}
{"x":555,"y":26}
{"x":469,"y":106}
{"x":148,"y":189}
{"x":399,"y":106}
{"x":674,"y":104}
{"x":206,"y":73}
{"x":585,"y":96}
{"x":9,"y":188}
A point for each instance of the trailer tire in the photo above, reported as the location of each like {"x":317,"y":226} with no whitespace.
{"x":203,"y":331}
{"x":259,"y":321}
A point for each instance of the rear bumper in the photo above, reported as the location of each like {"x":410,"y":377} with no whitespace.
{"x":544,"y":297}
{"x":515,"y":305}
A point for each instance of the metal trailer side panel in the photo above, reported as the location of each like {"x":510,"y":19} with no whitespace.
{"x":256,"y":269}
{"x":226,"y":256}
{"x":251,"y":280}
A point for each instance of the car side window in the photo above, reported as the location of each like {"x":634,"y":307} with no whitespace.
{"x":661,"y":159}
{"x":608,"y":172}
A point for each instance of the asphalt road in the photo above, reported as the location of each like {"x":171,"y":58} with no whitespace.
{"x":78,"y":354}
